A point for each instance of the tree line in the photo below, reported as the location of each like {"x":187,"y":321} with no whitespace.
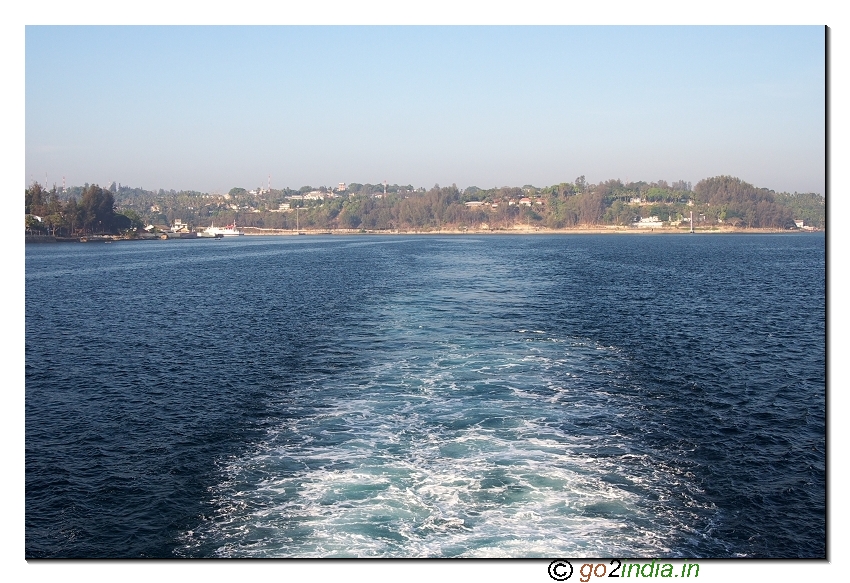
{"x":720,"y":200}
{"x":95,"y":212}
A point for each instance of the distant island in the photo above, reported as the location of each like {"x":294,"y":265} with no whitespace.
{"x":718,"y":204}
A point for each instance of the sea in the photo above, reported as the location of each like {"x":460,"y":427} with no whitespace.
{"x":651,"y":395}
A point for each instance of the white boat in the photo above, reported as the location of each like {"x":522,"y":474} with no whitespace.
{"x":228,"y":231}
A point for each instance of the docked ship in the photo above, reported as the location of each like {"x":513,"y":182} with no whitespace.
{"x":228,"y":231}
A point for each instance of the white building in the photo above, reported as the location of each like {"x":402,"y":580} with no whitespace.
{"x":648,"y":222}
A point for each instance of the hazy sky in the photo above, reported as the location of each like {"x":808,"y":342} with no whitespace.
{"x":212,"y":107}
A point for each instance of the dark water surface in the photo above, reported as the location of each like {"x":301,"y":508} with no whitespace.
{"x":427,"y":396}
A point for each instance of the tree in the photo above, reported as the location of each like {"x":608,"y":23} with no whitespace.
{"x":580,"y":184}
{"x":34,"y":200}
{"x":807,"y":207}
{"x":32,"y":224}
{"x":98,"y":209}
{"x":135,"y":221}
{"x":54,"y":222}
{"x":591,"y":207}
{"x":757,"y":206}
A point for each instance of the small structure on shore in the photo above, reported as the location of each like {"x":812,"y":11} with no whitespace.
{"x":652,"y":222}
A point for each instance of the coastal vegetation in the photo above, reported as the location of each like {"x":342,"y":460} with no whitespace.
{"x":95,"y":212}
{"x":713,"y":202}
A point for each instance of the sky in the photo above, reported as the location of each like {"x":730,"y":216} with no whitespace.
{"x":210,"y":108}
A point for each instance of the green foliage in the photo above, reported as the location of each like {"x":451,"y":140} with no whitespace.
{"x":33,"y":225}
{"x":619,"y":213}
{"x":122,"y":223}
{"x":34,"y":199}
{"x":580,"y":184}
{"x":98,"y":210}
{"x":656,"y":194}
{"x":135,"y":221}
{"x":722,"y":200}
{"x":610,"y":189}
{"x":757,"y":206}
{"x":807,"y":207}
{"x":660,"y":211}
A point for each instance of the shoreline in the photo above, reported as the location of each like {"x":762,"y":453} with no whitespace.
{"x":257,"y":231}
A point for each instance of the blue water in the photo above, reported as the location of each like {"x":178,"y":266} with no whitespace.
{"x":425,"y":396}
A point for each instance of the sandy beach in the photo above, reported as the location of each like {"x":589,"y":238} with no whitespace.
{"x":594,"y":230}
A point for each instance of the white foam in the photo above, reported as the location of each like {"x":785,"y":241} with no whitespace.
{"x":447,"y":473}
